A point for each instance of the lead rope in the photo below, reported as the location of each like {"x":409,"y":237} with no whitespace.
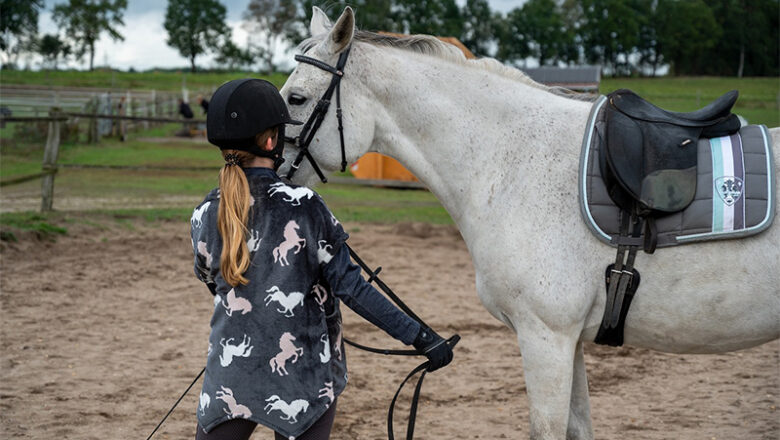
{"x":452,"y":341}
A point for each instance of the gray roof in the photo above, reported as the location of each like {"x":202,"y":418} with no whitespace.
{"x":565,"y":75}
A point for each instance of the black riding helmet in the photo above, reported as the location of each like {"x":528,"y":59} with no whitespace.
{"x":242,"y":108}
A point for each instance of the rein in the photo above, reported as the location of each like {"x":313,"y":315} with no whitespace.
{"x":451,"y":341}
{"x":312,"y":124}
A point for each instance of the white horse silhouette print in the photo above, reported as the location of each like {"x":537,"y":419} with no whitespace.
{"x":254,"y":241}
{"x":327,"y":391}
{"x":291,"y":240}
{"x":203,"y":250}
{"x":289,"y":350}
{"x":236,"y":304}
{"x":205,"y":401}
{"x":295,"y":194}
{"x":325,"y":355}
{"x":320,"y":295}
{"x":228,"y":350}
{"x":290,"y":410}
{"x":235,"y":410}
{"x":323,"y":252}
{"x":288,"y":302}
{"x":197,"y":215}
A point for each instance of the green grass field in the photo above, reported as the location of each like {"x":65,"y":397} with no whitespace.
{"x":164,"y":81}
{"x":22,"y":154}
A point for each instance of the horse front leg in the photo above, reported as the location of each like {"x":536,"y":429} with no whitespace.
{"x":548,"y":364}
{"x":580,"y":425}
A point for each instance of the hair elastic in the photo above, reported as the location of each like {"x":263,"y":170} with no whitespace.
{"x":232,"y":159}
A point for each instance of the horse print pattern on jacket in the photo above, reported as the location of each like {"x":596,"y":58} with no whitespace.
{"x":274,"y":357}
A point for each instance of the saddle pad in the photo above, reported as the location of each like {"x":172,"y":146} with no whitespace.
{"x":734,"y":188}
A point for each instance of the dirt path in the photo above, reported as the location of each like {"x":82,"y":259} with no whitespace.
{"x":102,"y":330}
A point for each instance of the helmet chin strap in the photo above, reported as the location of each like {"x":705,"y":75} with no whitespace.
{"x":303,"y":140}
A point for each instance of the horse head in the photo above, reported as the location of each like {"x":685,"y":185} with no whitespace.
{"x":307,"y":84}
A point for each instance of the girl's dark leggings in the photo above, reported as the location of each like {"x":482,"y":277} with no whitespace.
{"x":241,"y":429}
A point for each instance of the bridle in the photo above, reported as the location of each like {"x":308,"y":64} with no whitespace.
{"x":312,"y":124}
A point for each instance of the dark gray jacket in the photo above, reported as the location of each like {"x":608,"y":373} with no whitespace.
{"x":275,"y":351}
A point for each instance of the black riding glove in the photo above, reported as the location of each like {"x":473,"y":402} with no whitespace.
{"x":434,"y":347}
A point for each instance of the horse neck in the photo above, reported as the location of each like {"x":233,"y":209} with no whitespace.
{"x":465,"y":131}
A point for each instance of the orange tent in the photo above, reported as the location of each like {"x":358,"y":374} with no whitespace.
{"x":378,"y":166}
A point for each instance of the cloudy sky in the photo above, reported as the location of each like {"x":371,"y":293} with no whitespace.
{"x":144,"y":44}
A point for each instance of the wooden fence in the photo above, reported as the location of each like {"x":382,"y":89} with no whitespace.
{"x":55,"y":120}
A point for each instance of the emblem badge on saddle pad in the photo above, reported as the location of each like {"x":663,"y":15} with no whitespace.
{"x":729,"y":188}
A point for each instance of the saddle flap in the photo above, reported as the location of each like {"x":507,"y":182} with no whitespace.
{"x":624,"y":152}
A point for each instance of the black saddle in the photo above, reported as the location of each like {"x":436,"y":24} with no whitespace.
{"x":649,"y":158}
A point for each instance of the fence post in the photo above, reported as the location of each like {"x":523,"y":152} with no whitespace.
{"x":50,"y":162}
{"x":92,"y":130}
{"x":153,"y":109}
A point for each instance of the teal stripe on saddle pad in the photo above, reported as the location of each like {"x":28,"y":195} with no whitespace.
{"x":716,"y":150}
{"x":735,"y":188}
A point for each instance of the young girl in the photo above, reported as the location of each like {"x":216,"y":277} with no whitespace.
{"x":275,"y":259}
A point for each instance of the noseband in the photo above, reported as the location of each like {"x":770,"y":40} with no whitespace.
{"x":312,"y":124}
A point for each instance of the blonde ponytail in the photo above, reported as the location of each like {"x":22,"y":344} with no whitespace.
{"x":232,"y":219}
{"x":233,"y":213}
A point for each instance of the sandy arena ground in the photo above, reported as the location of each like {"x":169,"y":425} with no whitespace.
{"x":102,"y":331}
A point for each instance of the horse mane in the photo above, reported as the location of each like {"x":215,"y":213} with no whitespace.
{"x":430,"y":45}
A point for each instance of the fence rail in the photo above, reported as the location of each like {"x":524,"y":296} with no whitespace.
{"x":50,"y":167}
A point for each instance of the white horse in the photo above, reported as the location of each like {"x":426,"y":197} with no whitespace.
{"x":501,"y":153}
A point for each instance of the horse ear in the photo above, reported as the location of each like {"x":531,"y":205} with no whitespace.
{"x":340,"y":36}
{"x":320,"y":23}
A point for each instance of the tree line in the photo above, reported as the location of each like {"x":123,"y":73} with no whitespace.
{"x":625,"y":37}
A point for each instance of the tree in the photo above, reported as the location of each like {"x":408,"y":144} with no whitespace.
{"x":51,"y":48}
{"x":233,"y":57}
{"x":512,"y":41}
{"x":480,"y":26}
{"x":268,"y":21}
{"x":195,"y":27}
{"x":546,"y":32}
{"x":85,"y":20}
{"x":749,"y":43}
{"x":19,"y":26}
{"x":609,"y":32}
{"x":682,"y":46}
{"x":434,"y":17}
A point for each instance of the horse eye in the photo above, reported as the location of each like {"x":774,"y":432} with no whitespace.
{"x":295,"y":99}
